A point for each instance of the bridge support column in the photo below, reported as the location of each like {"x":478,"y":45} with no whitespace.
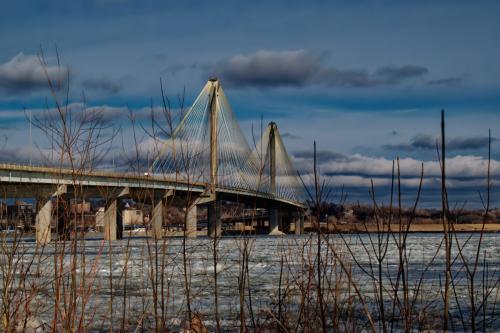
{"x":191,"y":226}
{"x":214,"y":221}
{"x":42,"y":223}
{"x":110,"y":215}
{"x":43,"y":217}
{"x":157,"y":215}
{"x":299,"y":224}
{"x":274,"y":219}
{"x":113,"y":219}
{"x":157,"y":219}
{"x":192,"y":221}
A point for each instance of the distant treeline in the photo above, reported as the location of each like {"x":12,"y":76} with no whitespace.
{"x":365,"y":213}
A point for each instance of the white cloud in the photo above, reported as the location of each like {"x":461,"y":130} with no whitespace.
{"x":358,"y":171}
{"x":460,"y":166}
{"x":24,"y":73}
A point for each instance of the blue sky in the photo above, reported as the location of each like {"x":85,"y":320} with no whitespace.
{"x":366,"y":80}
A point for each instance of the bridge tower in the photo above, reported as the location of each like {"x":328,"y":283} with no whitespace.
{"x":272,"y":156}
{"x":214,"y":221}
{"x":273,"y":209}
{"x":213,"y":135}
{"x":281,"y":176}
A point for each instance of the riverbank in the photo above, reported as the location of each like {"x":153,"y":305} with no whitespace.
{"x":331,"y":228}
{"x":420,"y":227}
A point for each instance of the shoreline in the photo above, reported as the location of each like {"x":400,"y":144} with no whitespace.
{"x":417,"y":228}
{"x":358,"y":228}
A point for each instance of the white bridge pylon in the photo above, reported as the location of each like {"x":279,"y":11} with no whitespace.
{"x":209,"y":146}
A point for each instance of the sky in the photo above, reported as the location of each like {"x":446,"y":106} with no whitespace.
{"x":365,"y":80}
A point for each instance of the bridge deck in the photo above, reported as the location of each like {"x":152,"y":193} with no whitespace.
{"x":25,"y":174}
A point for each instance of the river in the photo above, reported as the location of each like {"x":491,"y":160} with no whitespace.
{"x":289,"y":258}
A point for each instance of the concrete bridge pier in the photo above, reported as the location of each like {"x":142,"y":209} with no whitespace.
{"x":113,"y":220}
{"x":43,"y":217}
{"x":157,"y":216}
{"x":191,"y":221}
{"x":299,"y":224}
{"x":214,"y":220}
{"x":281,"y":217}
{"x":274,"y":219}
{"x":42,"y":222}
{"x":191,"y":226}
{"x":110,"y":215}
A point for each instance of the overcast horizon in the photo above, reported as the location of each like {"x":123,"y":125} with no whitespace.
{"x":367,"y":81}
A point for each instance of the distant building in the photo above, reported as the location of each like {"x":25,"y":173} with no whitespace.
{"x":81,"y":207}
{"x":20,"y":215}
{"x":132,"y":216}
{"x":348,"y":215}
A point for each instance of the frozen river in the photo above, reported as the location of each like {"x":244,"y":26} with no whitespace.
{"x":127,"y":275}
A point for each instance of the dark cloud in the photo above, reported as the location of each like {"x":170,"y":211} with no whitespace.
{"x":25,"y":73}
{"x":269,"y":69}
{"x":394,"y":74}
{"x":291,"y":136}
{"x":423,"y":141}
{"x":301,"y":68}
{"x":446,"y":82}
{"x":103,"y":84}
{"x":428,"y":142}
{"x":394,"y":133}
{"x":477,"y":142}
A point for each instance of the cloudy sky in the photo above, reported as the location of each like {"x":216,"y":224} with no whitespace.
{"x":366,"y":81}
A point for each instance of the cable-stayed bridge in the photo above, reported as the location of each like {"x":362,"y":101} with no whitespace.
{"x":206,"y":160}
